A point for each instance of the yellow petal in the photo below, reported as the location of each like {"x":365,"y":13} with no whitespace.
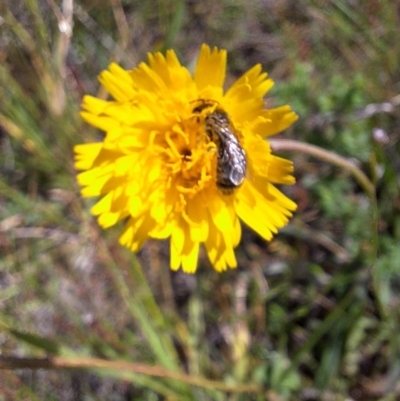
{"x":276,"y":120}
{"x":86,"y":154}
{"x":94,"y":105}
{"x":118,"y":83}
{"x":210,"y":68}
{"x":215,"y":249}
{"x":170,"y":70}
{"x":198,"y":218}
{"x":177,"y":243}
{"x":255,"y":80}
{"x":245,"y":96}
{"x":148,"y":80}
{"x":94,"y":180}
{"x":220,"y":248}
{"x":263,"y":215}
{"x":136,"y":232}
{"x":272,"y":168}
{"x":109,"y":219}
{"x":237,"y":232}
{"x":269,"y":192}
{"x":101,"y":122}
{"x":221,"y":214}
{"x":190,"y":255}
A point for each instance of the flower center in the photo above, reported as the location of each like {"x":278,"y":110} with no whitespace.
{"x":188,"y":156}
{"x":202,"y":150}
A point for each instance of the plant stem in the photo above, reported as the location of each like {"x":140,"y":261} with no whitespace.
{"x":96,"y":363}
{"x":327,"y":156}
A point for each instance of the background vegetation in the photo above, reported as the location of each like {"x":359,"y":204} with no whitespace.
{"x":312,"y":315}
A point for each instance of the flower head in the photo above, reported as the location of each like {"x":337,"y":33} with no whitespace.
{"x":184,"y":159}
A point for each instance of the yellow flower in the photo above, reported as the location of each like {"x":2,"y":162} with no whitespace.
{"x":182,"y":159}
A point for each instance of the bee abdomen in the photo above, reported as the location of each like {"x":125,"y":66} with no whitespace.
{"x":231,"y":157}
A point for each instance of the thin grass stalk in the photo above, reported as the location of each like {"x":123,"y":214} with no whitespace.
{"x":38,"y":61}
{"x":144,"y":309}
{"x":56,"y":363}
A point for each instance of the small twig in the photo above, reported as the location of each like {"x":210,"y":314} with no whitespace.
{"x":301,"y":230}
{"x":43,"y":233}
{"x":122,"y":26}
{"x":241,"y":329}
{"x":7,"y":362}
{"x":65,"y":25}
{"x":101,"y":36}
{"x":375,"y":108}
{"x":322,"y":120}
{"x":29,"y":45}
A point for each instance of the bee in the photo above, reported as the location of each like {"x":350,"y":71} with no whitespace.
{"x":231,"y":157}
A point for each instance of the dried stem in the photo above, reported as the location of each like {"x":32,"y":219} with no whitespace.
{"x":279,"y":145}
{"x":65,"y":25}
{"x":122,"y":26}
{"x":95,"y":363}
